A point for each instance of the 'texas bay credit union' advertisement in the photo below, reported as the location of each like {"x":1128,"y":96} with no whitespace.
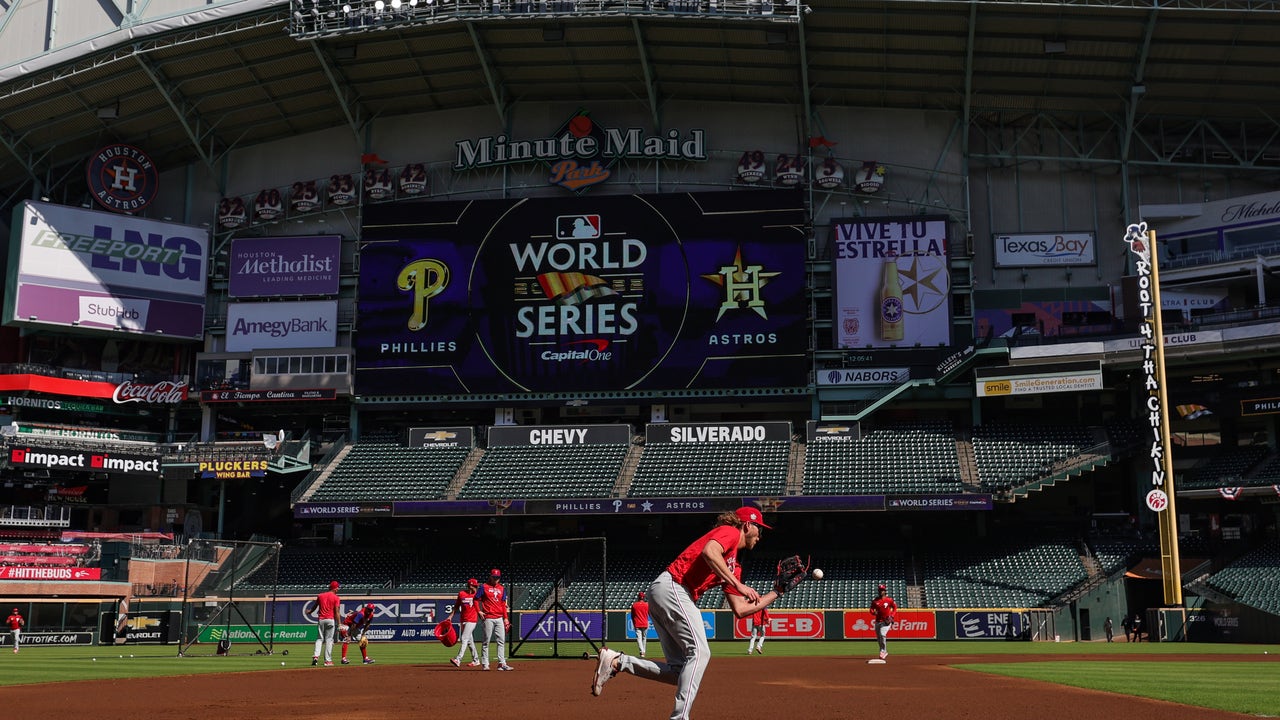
{"x":569,"y":294}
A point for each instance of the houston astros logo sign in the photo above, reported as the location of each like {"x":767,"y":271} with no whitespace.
{"x":122,"y":178}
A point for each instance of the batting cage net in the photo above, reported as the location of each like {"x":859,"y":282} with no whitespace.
{"x":229,"y":597}
{"x":557,"y":591}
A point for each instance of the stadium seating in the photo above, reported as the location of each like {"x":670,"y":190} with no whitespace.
{"x":545,"y":471}
{"x":1233,"y":466}
{"x":1017,"y":574}
{"x":908,"y":458}
{"x":304,"y":570}
{"x":1011,"y":455}
{"x":383,"y":469}
{"x":1253,"y":579}
{"x":729,"y":468}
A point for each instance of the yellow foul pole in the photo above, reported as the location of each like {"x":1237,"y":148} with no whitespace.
{"x":1160,"y":497}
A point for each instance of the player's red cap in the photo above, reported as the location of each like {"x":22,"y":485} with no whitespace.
{"x":642,"y":595}
{"x":752,"y":515}
{"x":882,"y":587}
{"x":473,"y":581}
{"x":334,"y":585}
{"x":495,"y":573}
{"x":370,"y":607}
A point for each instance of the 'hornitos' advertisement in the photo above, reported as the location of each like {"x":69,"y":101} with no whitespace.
{"x":103,"y":271}
{"x":892,"y":284}
{"x":586,"y":293}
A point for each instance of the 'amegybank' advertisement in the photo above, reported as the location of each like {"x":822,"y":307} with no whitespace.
{"x":892,"y":284}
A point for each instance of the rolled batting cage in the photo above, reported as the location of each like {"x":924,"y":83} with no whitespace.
{"x":558,"y":592}
{"x":229,"y":597}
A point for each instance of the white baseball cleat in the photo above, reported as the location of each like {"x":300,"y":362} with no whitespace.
{"x":455,"y":662}
{"x":604,"y":670}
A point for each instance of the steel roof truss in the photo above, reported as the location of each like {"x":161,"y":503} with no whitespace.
{"x":186,"y":113}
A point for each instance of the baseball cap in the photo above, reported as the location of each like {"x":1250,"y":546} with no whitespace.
{"x":752,"y":515}
{"x":370,"y":607}
{"x":495,"y":573}
{"x":642,"y":595}
{"x":334,"y":585}
{"x":473,"y":581}
{"x":882,"y":587}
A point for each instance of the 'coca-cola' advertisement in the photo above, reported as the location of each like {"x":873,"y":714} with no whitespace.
{"x":165,"y":392}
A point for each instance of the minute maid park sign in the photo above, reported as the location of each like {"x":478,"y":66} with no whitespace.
{"x":581,"y":153}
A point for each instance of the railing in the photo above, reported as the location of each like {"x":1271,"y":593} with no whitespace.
{"x":311,"y":20}
{"x":34,"y":516}
{"x":320,"y":467}
{"x":86,"y":375}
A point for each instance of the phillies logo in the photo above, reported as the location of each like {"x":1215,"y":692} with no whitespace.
{"x":162,"y":392}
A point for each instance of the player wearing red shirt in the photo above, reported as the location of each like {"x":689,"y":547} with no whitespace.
{"x":327,"y":604}
{"x":759,"y":624}
{"x":467,"y":610}
{"x":15,"y":623}
{"x":884,"y":609}
{"x":710,"y":561}
{"x":493,"y":607}
{"x":640,"y":621}
{"x":353,"y":627}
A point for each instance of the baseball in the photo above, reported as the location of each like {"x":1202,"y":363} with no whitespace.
{"x":817,"y":573}
{"x":281,"y":664}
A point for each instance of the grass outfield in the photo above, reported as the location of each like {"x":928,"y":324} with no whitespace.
{"x":1251,"y":688}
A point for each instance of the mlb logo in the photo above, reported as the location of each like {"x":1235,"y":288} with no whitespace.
{"x":577,"y":226}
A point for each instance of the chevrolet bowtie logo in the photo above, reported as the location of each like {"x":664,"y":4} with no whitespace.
{"x":832,"y":429}
{"x":440,"y":435}
{"x":141,"y":623}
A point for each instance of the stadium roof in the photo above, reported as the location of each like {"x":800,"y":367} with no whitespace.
{"x":1163,"y":84}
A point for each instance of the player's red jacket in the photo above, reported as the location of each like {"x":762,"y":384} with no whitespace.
{"x":884,"y":608}
{"x":468,"y":609}
{"x":640,"y":615}
{"x":493,"y":601}
{"x":14,"y":621}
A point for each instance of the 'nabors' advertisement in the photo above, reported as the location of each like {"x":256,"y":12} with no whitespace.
{"x":103,"y":271}
{"x":570,"y":294}
{"x":892,"y":283}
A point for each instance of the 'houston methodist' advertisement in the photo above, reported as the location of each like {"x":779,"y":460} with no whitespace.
{"x":701,"y":290}
{"x":103,"y":271}
{"x":892,"y":284}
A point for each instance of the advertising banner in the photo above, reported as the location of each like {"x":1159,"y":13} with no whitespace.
{"x":783,"y":624}
{"x":990,"y":624}
{"x":277,"y":325}
{"x":562,"y":626}
{"x":837,"y":377}
{"x":966,"y":501}
{"x":103,"y":271}
{"x":819,"y":431}
{"x":634,"y":292}
{"x":1065,"y":377}
{"x":83,"y":460}
{"x":705,"y":433}
{"x":1045,"y":249}
{"x":418,"y":611}
{"x":907,"y":625}
{"x":232,"y":469}
{"x":50,"y":573}
{"x":159,"y":627}
{"x":31,"y":639}
{"x":892,"y":282}
{"x":284,"y":266}
{"x":281,"y":395}
{"x":442,"y":437}
{"x":559,"y":435}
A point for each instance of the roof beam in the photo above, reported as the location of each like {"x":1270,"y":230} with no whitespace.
{"x":339,"y":89}
{"x":496,"y":91}
{"x":1139,"y":72}
{"x":645,"y":65}
{"x":185,"y":112}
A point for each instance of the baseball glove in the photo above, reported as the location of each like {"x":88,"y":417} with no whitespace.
{"x":364,"y":641}
{"x":790,"y":572}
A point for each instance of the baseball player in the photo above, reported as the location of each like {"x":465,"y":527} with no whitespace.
{"x":467,"y":611}
{"x":15,"y":623}
{"x":759,"y":622}
{"x":493,"y":606}
{"x":884,"y":609}
{"x":353,"y":627}
{"x":640,"y":620}
{"x":327,"y":604}
{"x":673,"y":603}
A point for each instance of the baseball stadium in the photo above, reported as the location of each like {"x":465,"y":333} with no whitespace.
{"x":963,"y":301}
